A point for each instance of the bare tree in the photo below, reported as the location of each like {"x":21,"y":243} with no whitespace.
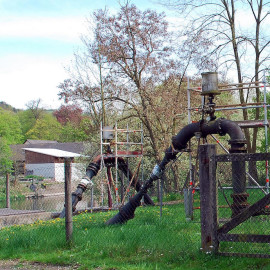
{"x":244,"y":50}
{"x":136,"y":48}
{"x":34,"y":107}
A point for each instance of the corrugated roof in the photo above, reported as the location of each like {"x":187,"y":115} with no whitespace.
{"x":53,"y":152}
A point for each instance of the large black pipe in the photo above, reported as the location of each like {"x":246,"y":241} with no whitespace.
{"x":92,"y":170}
{"x":220,"y":126}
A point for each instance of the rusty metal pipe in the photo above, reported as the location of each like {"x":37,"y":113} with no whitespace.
{"x":92,"y":170}
{"x":179,"y":142}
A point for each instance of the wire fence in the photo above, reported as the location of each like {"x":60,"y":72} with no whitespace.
{"x":37,"y":200}
{"x":243,"y":207}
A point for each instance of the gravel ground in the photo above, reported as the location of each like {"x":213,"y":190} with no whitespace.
{"x":18,"y":265}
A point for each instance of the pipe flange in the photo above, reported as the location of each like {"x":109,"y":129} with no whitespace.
{"x":240,"y":197}
{"x":237,"y":141}
{"x":238,"y":146}
{"x":94,"y":167}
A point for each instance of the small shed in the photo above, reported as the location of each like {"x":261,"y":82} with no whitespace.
{"x":49,"y":163}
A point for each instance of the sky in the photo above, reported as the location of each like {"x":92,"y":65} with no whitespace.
{"x":37,"y":41}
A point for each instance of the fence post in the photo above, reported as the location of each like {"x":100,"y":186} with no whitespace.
{"x":208,"y":198}
{"x":68,"y":200}
{"x":7,"y":191}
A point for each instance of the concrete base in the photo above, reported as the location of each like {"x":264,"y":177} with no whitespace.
{"x":9,"y":217}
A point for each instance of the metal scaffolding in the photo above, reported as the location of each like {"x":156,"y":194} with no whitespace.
{"x":120,"y":143}
{"x":243,"y":124}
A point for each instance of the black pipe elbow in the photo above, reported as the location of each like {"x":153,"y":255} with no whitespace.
{"x":220,"y":126}
{"x":237,"y":138}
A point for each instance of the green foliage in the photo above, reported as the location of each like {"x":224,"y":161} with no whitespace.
{"x":71,"y":133}
{"x":27,"y":121}
{"x":10,"y":127}
{"x":46,"y":128}
{"x":37,"y":177}
{"x":146,"y":242}
{"x":16,"y":192}
{"x":5,"y":157}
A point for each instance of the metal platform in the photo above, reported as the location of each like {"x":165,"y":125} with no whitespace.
{"x":9,"y":217}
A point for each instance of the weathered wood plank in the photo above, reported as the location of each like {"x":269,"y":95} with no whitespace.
{"x":243,"y":157}
{"x":208,"y":198}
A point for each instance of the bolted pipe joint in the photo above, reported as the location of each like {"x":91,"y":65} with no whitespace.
{"x":86,"y":183}
{"x":238,"y":146}
{"x":156,"y":173}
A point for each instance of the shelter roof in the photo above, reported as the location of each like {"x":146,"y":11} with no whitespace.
{"x":53,"y":152}
{"x":74,"y":147}
{"x":29,"y":141}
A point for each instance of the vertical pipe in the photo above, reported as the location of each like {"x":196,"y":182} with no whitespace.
{"x":109,"y":175}
{"x":239,"y":195}
{"x":7,"y":191}
{"x":142,"y":172}
{"x":142,"y":163}
{"x":102,"y":161}
{"x":248,"y":174}
{"x":116,"y":165}
{"x":101,"y":140}
{"x":68,"y":200}
{"x":188,"y":204}
{"x":265,"y":130}
{"x":127,"y":139}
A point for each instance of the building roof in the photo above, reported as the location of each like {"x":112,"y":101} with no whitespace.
{"x":53,"y":152}
{"x":74,"y":147}
{"x":29,"y":141}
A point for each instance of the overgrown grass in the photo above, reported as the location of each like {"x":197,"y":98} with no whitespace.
{"x":146,"y":242}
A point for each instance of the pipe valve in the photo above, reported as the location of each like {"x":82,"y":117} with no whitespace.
{"x":156,"y":173}
{"x":86,"y":182}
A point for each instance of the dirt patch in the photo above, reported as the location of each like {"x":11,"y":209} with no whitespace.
{"x":17,"y":264}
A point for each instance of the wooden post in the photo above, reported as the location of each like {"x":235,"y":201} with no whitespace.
{"x":68,"y":200}
{"x":208,"y":200}
{"x":7,"y":191}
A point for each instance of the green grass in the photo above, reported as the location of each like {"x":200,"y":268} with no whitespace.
{"x":145,"y":242}
{"x":15,"y":192}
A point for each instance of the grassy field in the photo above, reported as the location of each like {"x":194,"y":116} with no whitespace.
{"x":146,"y":242}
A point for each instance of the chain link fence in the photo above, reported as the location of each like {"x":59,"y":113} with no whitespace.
{"x":38,"y":200}
{"x":243,"y":206}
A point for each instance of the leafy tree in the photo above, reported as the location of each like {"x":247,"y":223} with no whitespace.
{"x":69,"y":114}
{"x":143,"y":75}
{"x":133,"y":47}
{"x":8,"y":107}
{"x":71,"y":133}
{"x":10,"y":128}
{"x":29,"y":116}
{"x":5,"y":157}
{"x":27,"y":121}
{"x":46,"y":128}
